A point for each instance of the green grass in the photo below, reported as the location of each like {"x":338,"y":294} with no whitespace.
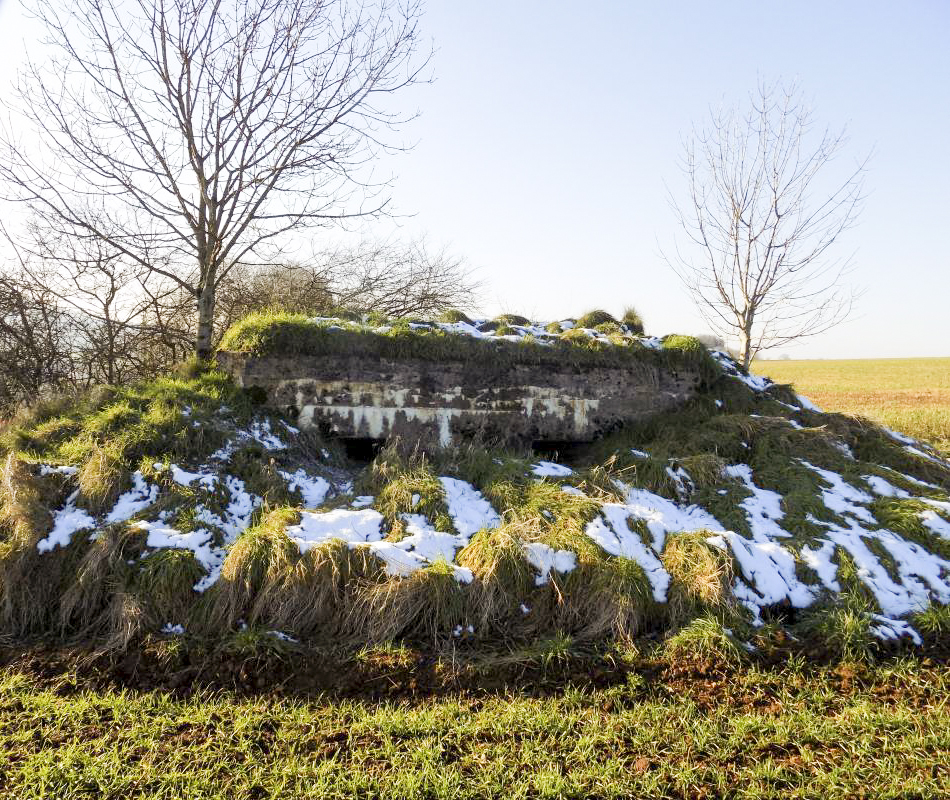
{"x":783,"y":733}
{"x":285,"y":334}
{"x":910,"y":395}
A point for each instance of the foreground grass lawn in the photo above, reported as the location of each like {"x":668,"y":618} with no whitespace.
{"x":786,"y":732}
{"x":911,"y":395}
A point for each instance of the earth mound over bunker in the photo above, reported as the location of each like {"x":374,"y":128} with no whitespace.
{"x":436,"y":382}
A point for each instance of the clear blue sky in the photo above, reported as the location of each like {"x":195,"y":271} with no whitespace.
{"x":548,"y":139}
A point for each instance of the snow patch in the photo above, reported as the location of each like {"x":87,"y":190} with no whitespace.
{"x":67,"y":521}
{"x":763,"y":509}
{"x":842,"y":497}
{"x":137,"y":499}
{"x":352,"y":527}
{"x":550,"y":469}
{"x":807,"y":404}
{"x":612,"y":533}
{"x":469,"y":510}
{"x":882,"y":488}
{"x":544,"y":559}
{"x":313,"y":489}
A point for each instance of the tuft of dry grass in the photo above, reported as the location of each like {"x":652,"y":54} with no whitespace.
{"x":101,"y":579}
{"x":427,"y":605}
{"x":701,"y":578}
{"x":261,"y":557}
{"x":313,"y":598}
{"x":101,"y":480}
{"x":502,"y":575}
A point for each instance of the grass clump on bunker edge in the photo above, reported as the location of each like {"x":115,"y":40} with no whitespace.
{"x":741,"y":519}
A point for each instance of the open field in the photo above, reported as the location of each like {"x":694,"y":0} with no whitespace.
{"x":680,"y":731}
{"x":910,"y":395}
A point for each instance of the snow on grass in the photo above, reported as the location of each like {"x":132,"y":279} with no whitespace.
{"x":484,"y":329}
{"x":663,"y":516}
{"x":545,"y":558}
{"x":350,"y":526}
{"x":258,"y":431}
{"x":807,"y":404}
{"x":912,"y":561}
{"x":200,"y":542}
{"x":612,"y":534}
{"x":682,"y":482}
{"x":184,"y":478}
{"x":899,"y":437}
{"x":470,"y":511}
{"x":841,"y":497}
{"x":820,"y":561}
{"x":935,"y":523}
{"x":421,"y":547}
{"x":730,"y":367}
{"x":551,"y":469}
{"x":568,"y":489}
{"x":842,"y":447}
{"x":313,"y":489}
{"x":763,"y":509}
{"x":237,"y":516}
{"x":769,"y":572}
{"x":137,"y":499}
{"x":67,"y":521}
{"x":261,"y":432}
{"x":882,"y":488}
{"x":928,"y":456}
{"x":63,"y":469}
{"x":893,"y":629}
{"x":283,"y":637}
{"x":912,"y":479}
{"x":173,"y":630}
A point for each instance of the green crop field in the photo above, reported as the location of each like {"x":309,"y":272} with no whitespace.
{"x":789,"y":732}
{"x":910,"y":395}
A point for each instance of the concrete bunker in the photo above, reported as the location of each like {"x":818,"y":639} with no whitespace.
{"x":361,"y":397}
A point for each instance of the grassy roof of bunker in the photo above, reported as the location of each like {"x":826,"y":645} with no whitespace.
{"x":285,"y":334}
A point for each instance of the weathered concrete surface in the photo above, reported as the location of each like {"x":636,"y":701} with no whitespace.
{"x":372,"y":398}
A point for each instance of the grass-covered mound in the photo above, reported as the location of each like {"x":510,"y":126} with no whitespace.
{"x":507,"y":339}
{"x":744,"y":521}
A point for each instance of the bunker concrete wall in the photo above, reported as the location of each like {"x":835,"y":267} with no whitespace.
{"x":364,"y":397}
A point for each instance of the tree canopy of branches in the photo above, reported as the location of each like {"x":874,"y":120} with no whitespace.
{"x":32,"y":331}
{"x":760,"y":219}
{"x":191,"y":137}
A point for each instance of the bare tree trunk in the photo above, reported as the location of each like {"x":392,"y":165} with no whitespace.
{"x":205,"y":335}
{"x":745,"y":346}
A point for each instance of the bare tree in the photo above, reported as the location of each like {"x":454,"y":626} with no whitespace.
{"x":35,"y":333}
{"x":400,"y":280}
{"x":192,"y":136}
{"x":760,"y":219}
